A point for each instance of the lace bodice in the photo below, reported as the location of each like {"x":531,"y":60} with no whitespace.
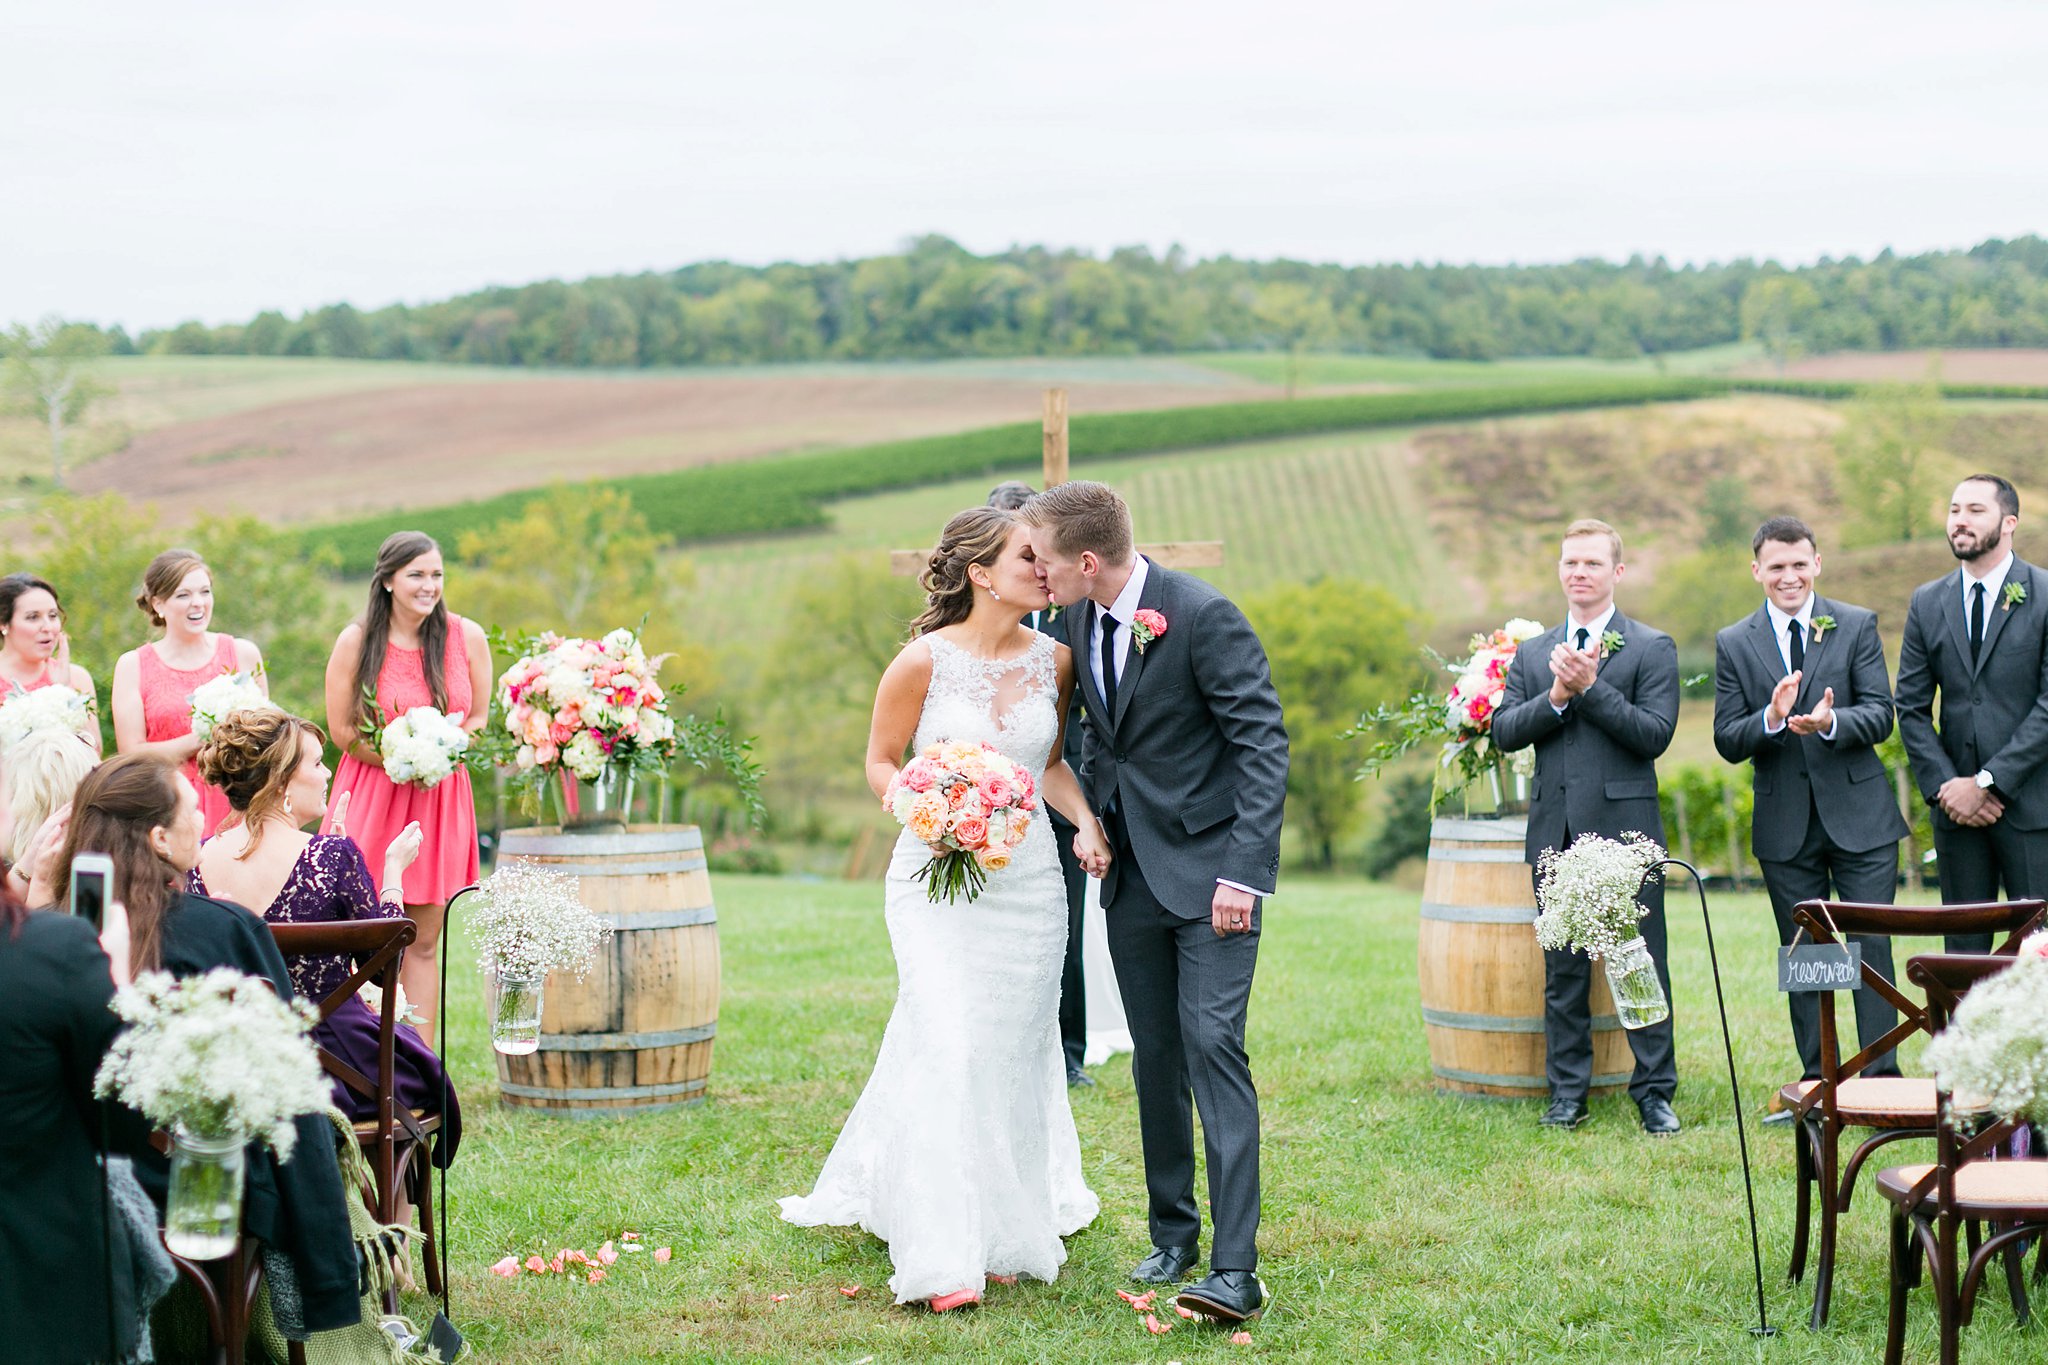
{"x":1012,"y":704}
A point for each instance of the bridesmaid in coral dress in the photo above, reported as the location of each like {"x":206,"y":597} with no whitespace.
{"x":153,"y":685}
{"x":34,"y":654}
{"x":408,"y":651}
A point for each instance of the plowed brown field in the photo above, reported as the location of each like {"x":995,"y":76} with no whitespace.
{"x":1957,"y":367}
{"x":335,"y":455}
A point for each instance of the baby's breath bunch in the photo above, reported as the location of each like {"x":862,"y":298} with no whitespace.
{"x":532,"y":922}
{"x":1996,"y":1044}
{"x":220,"y":1054}
{"x":1587,"y":893}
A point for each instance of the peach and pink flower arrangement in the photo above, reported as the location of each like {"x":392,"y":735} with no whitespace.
{"x":970,"y":806}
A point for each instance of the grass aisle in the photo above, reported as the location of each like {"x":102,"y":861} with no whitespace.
{"x":1398,"y":1224}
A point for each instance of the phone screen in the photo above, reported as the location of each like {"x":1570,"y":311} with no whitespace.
{"x":89,"y":890}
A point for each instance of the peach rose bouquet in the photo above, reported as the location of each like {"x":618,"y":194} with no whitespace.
{"x":970,"y":806}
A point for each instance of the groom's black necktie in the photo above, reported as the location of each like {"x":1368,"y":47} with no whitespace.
{"x":1109,"y":625}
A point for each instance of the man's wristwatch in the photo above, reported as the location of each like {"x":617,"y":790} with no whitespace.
{"x":1984,"y":780}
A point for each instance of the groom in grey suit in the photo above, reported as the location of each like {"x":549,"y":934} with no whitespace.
{"x":1597,"y":698}
{"x":1979,"y":638}
{"x":1800,"y":692}
{"x":1187,"y":764}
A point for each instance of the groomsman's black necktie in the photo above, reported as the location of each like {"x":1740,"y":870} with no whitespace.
{"x":1109,"y":625}
{"x":1976,"y":620}
{"x":1796,"y":637}
{"x":1583,"y":636}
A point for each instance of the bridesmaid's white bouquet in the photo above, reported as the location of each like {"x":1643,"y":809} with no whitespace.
{"x":215,"y":700}
{"x":219,"y":1055}
{"x":422,"y":747}
{"x":1996,"y":1045}
{"x":57,"y":709}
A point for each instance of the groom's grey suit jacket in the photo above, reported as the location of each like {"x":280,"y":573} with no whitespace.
{"x":1596,"y":765}
{"x":1196,"y":754}
{"x":1797,"y":775}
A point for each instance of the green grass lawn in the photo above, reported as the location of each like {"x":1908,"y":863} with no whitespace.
{"x":1399,"y":1224}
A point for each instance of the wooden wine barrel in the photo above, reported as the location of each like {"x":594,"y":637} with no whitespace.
{"x":1481,"y":970}
{"x":633,"y":1036}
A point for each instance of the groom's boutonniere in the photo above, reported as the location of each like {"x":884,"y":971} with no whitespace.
{"x":1611,"y":643}
{"x":1147,"y":625}
{"x":1821,"y":626}
{"x":2015,"y":593}
{"x":1050,"y":615}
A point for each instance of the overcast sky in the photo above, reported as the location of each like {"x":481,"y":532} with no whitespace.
{"x":163,"y":161}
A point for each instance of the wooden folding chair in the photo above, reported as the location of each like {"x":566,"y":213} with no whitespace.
{"x":1962,"y":1189}
{"x":227,"y":1291}
{"x":1892,"y":1107}
{"x":396,"y":1141}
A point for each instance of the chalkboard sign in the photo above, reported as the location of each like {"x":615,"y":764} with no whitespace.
{"x":1814,"y":967}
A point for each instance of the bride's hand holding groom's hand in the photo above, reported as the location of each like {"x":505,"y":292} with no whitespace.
{"x":1091,"y":848}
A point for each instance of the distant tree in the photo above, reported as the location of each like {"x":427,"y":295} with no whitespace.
{"x":93,"y":551}
{"x":267,"y":589}
{"x":1777,"y":311}
{"x":49,"y":377}
{"x":1338,"y":648}
{"x":1728,"y":518}
{"x":1294,"y":319}
{"x":1892,"y":461}
{"x":1403,"y":832}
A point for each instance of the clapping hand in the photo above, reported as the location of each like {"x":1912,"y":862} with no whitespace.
{"x":1819,"y":719}
{"x":1572,"y":671}
{"x":1784,"y":697}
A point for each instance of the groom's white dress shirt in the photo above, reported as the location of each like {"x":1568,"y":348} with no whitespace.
{"x":1122,"y":609}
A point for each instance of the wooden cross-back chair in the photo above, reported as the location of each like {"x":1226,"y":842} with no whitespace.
{"x":1963,"y":1188}
{"x":1893,"y":1108}
{"x":396,"y":1141}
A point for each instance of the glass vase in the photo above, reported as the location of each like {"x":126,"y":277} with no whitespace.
{"x":604,"y":800}
{"x":515,"y":1014}
{"x":203,"y":1213}
{"x":1638,"y":994}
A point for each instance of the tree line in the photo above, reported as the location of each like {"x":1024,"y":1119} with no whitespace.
{"x":936,"y":299}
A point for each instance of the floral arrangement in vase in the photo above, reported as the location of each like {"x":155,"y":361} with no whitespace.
{"x":1587,"y":901}
{"x":1459,"y":721}
{"x":528,"y":920}
{"x":970,"y":806}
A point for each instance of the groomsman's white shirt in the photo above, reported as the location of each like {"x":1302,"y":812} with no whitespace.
{"x":1126,"y":604}
{"x":1595,"y":630}
{"x":1993,"y":582}
{"x":1779,"y":620}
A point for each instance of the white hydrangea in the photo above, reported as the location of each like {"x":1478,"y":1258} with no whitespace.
{"x":220,"y":1054}
{"x":585,"y":756}
{"x":1996,"y":1044}
{"x":422,"y":747}
{"x":214,"y":700}
{"x":1587,"y":893}
{"x":528,"y":920}
{"x":58,"y":709}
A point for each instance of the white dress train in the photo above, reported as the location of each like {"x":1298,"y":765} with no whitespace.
{"x":961,"y":1153}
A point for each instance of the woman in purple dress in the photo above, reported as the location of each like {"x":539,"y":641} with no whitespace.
{"x":269,"y":765}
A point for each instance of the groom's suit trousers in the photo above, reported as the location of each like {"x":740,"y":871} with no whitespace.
{"x":1184,"y":991}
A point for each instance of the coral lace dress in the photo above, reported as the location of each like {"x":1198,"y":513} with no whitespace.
{"x":379,"y":808}
{"x":167,"y":712}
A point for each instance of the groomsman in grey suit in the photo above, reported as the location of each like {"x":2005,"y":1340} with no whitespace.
{"x":1800,"y":692}
{"x":1597,"y":697}
{"x":1975,"y":637}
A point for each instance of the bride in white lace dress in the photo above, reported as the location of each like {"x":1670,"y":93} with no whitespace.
{"x":961,"y":1153}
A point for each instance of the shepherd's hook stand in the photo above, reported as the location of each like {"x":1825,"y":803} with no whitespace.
{"x":1763,"y":1326}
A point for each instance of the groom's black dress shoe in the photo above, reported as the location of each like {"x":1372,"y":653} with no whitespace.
{"x":1167,"y":1265}
{"x":1228,"y":1295}
{"x":1077,"y":1077}
{"x":1564,"y":1114}
{"x":1658,"y":1120}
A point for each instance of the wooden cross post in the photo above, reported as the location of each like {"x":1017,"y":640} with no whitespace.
{"x":1174,"y":554}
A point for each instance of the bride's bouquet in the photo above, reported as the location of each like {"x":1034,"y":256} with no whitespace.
{"x":1996,"y":1045}
{"x":56,"y":708}
{"x":970,"y":806}
{"x":422,"y":747}
{"x":217,"y":698}
{"x":218,"y":1055}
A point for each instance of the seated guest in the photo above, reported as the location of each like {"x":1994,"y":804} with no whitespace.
{"x":42,"y":772}
{"x":56,"y":984}
{"x":268,"y":765}
{"x":139,"y":811}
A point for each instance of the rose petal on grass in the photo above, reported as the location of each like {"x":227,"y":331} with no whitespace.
{"x":507,"y":1267}
{"x":576,"y":1257}
{"x":629,"y":1237}
{"x":536,"y":1265}
{"x":1002,"y":1279}
{"x":852,"y":1291}
{"x":1156,"y":1327}
{"x":606,"y":1255}
{"x":1141,"y":1302}
{"x":1184,"y":1312}
{"x":556,"y":1265}
{"x":596,"y":1274}
{"x":777,"y":1298}
{"x":1240,"y":1338}
{"x":661,"y":1255}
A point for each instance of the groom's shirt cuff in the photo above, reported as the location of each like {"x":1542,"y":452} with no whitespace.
{"x":1240,"y":886}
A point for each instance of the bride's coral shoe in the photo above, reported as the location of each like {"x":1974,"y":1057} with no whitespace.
{"x":959,"y":1298}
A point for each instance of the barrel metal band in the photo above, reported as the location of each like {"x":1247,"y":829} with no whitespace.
{"x":1524,"y":1082}
{"x":626,"y":1092}
{"x":1488,"y":1023}
{"x":1479,"y":914}
{"x":662,"y":919}
{"x":626,"y":1042}
{"x":1477,"y":855}
{"x":675,"y":866}
{"x":1509,"y":831}
{"x":612,"y":842}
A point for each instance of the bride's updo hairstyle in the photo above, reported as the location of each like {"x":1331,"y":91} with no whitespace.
{"x":976,"y":536}
{"x":251,"y":756}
